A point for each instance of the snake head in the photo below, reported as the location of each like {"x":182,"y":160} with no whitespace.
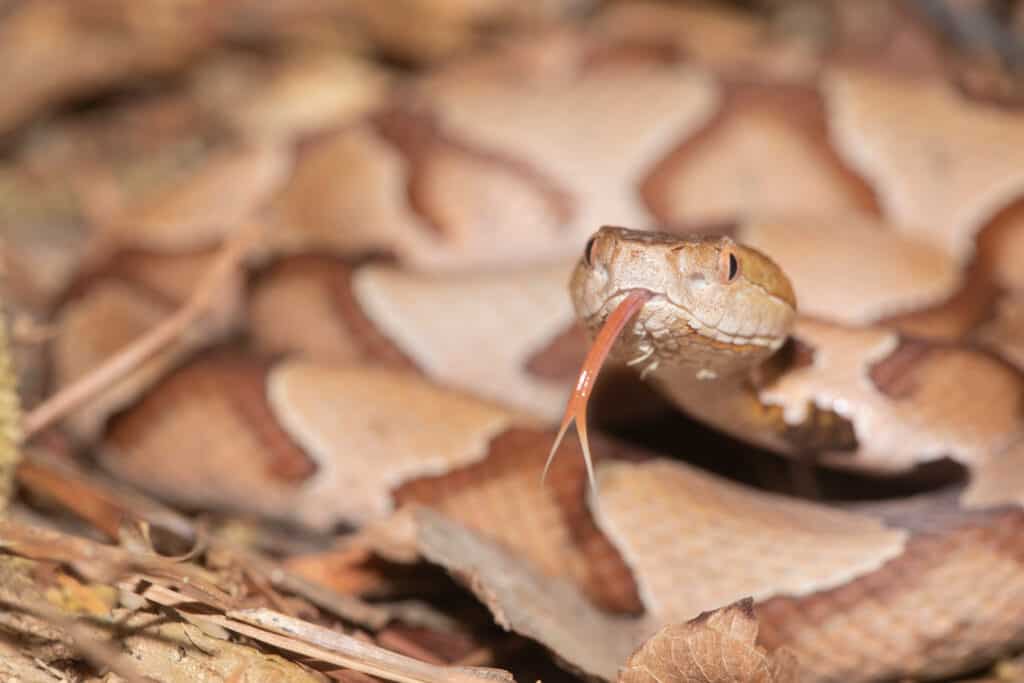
{"x":715,"y":305}
{"x":706,"y":304}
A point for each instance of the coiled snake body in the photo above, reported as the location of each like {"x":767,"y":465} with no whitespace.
{"x":891,"y":199}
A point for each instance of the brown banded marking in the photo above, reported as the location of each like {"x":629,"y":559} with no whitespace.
{"x":306,"y":422}
{"x":938,"y":159}
{"x":229,"y":451}
{"x":1001,"y":251}
{"x":956,"y":402}
{"x":305,"y":306}
{"x":892,"y":569}
{"x":327,"y":444}
{"x":557,"y":531}
{"x":894,"y":375}
{"x":439,"y":163}
{"x":119,"y":301}
{"x":560,"y":359}
{"x":519,"y":112}
{"x":764,"y":140}
{"x":436,"y":324}
{"x":498,"y":135}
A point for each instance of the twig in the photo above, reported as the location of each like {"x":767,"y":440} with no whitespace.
{"x":344,"y":606}
{"x":105,"y":563}
{"x":151,"y":343}
{"x":343,"y":650}
{"x":302,"y":637}
{"x":355,"y":654}
{"x":95,"y":499}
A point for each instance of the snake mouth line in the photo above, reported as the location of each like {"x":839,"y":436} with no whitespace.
{"x":692,"y":320}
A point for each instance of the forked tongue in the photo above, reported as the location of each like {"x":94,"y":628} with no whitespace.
{"x":576,"y":408}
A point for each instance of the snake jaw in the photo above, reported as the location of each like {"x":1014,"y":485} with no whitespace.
{"x":576,"y":408}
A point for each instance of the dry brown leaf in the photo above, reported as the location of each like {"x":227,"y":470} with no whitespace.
{"x":716,"y":647}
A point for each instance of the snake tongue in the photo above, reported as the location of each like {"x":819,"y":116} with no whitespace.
{"x":576,"y":408}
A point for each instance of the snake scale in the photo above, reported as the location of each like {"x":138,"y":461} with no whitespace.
{"x":885,"y":185}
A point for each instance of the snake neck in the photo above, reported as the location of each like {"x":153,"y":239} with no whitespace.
{"x":727,"y":401}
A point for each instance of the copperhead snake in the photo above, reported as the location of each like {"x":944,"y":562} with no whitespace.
{"x":898,"y":226}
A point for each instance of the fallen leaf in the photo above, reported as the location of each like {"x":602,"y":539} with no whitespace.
{"x":716,"y":647}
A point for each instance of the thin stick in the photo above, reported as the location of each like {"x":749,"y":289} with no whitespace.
{"x":326,"y":645}
{"x":344,"y":650}
{"x":148,"y":345}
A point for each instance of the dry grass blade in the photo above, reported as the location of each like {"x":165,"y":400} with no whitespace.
{"x":108,"y":509}
{"x":344,"y":606}
{"x":141,"y":350}
{"x":106,"y":563}
{"x":95,"y":499}
{"x":355,"y":654}
{"x":302,"y":637}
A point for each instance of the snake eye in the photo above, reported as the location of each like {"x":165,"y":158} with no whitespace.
{"x":728,"y":266}
{"x":588,"y":251}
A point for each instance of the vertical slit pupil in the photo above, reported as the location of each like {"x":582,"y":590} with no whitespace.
{"x":734,"y":267}
{"x":588,"y":250}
